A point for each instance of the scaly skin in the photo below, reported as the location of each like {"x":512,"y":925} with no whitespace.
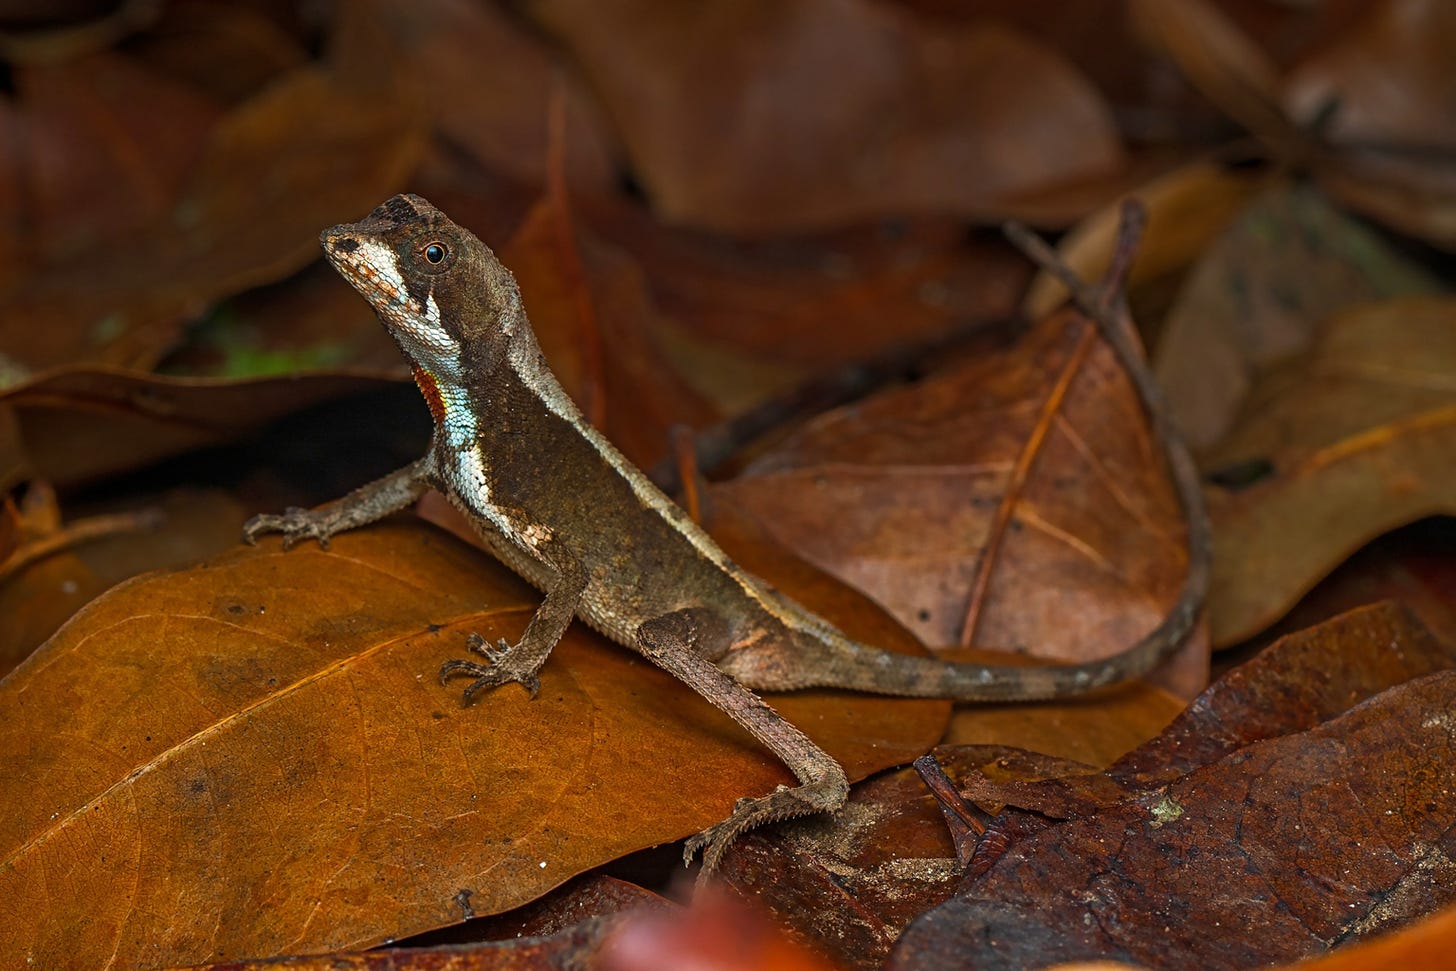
{"x":512,"y":451}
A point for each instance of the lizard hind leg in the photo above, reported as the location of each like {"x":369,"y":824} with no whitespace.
{"x":672,"y":642}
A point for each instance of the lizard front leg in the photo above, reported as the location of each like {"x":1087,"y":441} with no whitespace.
{"x":362,"y":506}
{"x":668,"y":641}
{"x":564,"y":584}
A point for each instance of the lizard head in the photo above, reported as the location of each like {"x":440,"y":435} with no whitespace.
{"x":440,"y":291}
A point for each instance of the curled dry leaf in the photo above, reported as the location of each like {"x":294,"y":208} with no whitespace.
{"x":1269,"y":822}
{"x":1186,"y":209}
{"x":1351,"y":439}
{"x":901,"y":497}
{"x":78,"y":425}
{"x":771,"y":116}
{"x":1258,"y":295}
{"x":267,"y":730}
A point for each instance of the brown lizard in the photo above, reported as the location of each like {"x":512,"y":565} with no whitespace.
{"x":513,"y":452}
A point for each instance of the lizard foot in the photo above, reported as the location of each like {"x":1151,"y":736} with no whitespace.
{"x":823,"y":794}
{"x":501,"y":670}
{"x":294,"y":523}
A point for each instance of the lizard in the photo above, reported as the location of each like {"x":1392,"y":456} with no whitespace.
{"x":513,"y":452}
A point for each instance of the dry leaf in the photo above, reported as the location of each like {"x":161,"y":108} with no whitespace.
{"x":325,"y":153}
{"x":898,"y":496}
{"x":1228,"y":852}
{"x":771,"y":116}
{"x":267,"y":728}
{"x":483,"y":81}
{"x":1258,"y":295}
{"x":80,"y":424}
{"x":1350,"y":440}
{"x":1186,"y":209}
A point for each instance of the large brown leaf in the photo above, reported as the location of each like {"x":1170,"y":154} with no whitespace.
{"x":1352,"y":439}
{"x":265,"y":734}
{"x":769,"y":115}
{"x":1018,"y":496}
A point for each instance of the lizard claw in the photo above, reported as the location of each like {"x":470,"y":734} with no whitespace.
{"x":499,"y":671}
{"x":294,"y":523}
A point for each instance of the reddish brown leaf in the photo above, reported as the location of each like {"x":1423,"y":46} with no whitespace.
{"x":593,"y":314}
{"x":771,"y":116}
{"x":329,"y":154}
{"x":813,"y":303}
{"x":229,"y":50}
{"x":1427,"y":946}
{"x":484,"y":82}
{"x":1277,"y":849}
{"x":851,"y":882}
{"x":268,"y":728}
{"x":108,"y":146}
{"x":898,"y":495}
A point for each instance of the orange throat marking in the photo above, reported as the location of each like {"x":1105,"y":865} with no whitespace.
{"x":431,"y":391}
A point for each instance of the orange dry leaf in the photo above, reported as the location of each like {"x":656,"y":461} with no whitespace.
{"x":267,"y":731}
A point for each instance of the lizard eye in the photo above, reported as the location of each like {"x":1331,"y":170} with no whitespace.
{"x":435,"y":253}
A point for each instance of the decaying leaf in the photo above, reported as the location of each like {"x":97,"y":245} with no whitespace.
{"x":1271,"y":821}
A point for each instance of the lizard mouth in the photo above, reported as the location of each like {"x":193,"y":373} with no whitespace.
{"x":373,"y":269}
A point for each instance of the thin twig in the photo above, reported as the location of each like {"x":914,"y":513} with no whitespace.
{"x":1106,"y":306}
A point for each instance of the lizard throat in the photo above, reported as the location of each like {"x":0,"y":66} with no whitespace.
{"x":426,"y":383}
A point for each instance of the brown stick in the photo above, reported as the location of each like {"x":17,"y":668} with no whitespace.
{"x":1106,"y":306}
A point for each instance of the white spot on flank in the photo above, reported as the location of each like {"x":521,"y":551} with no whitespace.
{"x":535,"y":534}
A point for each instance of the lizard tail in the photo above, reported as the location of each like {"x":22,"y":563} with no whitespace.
{"x":837,"y":661}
